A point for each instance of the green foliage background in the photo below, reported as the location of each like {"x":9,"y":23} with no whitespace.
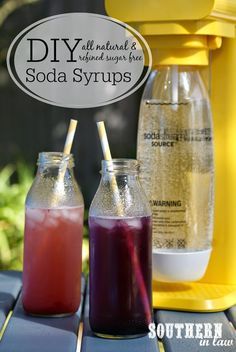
{"x":15,"y":182}
{"x":12,"y":198}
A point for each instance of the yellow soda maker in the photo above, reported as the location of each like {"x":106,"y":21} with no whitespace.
{"x":186,"y":37}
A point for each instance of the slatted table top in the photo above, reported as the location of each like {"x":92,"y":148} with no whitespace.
{"x":23,"y":333}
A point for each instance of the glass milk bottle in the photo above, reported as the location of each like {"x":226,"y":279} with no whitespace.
{"x":120,"y":253}
{"x":53,"y":239}
{"x":176,"y":156}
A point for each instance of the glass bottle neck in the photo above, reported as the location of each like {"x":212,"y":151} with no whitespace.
{"x":119,"y":178}
{"x":120,"y":192}
{"x":54,"y":185}
{"x":120,"y":167}
{"x":53,"y":163}
{"x":120,"y":173}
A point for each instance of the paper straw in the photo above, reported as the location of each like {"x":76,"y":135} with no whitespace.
{"x":70,"y":136}
{"x":59,"y":186}
{"x":120,"y":210}
{"x":107,"y":156}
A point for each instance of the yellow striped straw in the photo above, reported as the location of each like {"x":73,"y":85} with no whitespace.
{"x":107,"y":156}
{"x":59,"y":186}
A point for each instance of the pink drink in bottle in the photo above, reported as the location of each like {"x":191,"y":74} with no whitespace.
{"x":52,"y":260}
{"x":53,"y":241}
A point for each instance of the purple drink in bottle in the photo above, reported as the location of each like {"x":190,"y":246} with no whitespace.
{"x":120,"y":257}
{"x":117,"y":299}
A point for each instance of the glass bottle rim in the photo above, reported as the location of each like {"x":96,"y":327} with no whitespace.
{"x":121,"y":166}
{"x":55,"y":159}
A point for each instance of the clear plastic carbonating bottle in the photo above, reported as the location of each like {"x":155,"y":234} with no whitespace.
{"x":175,"y":151}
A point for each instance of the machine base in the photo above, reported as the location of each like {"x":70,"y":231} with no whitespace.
{"x":196,"y":296}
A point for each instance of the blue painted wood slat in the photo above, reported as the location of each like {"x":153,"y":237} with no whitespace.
{"x":31,"y":334}
{"x":231,"y":314}
{"x":10,"y":286}
{"x":25,"y":333}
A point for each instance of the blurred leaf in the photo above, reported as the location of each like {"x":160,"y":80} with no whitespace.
{"x":12,"y":197}
{"x":5,"y":252}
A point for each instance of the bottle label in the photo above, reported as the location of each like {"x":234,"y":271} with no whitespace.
{"x":168,"y":219}
{"x":168,"y":137}
{"x":176,"y":171}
